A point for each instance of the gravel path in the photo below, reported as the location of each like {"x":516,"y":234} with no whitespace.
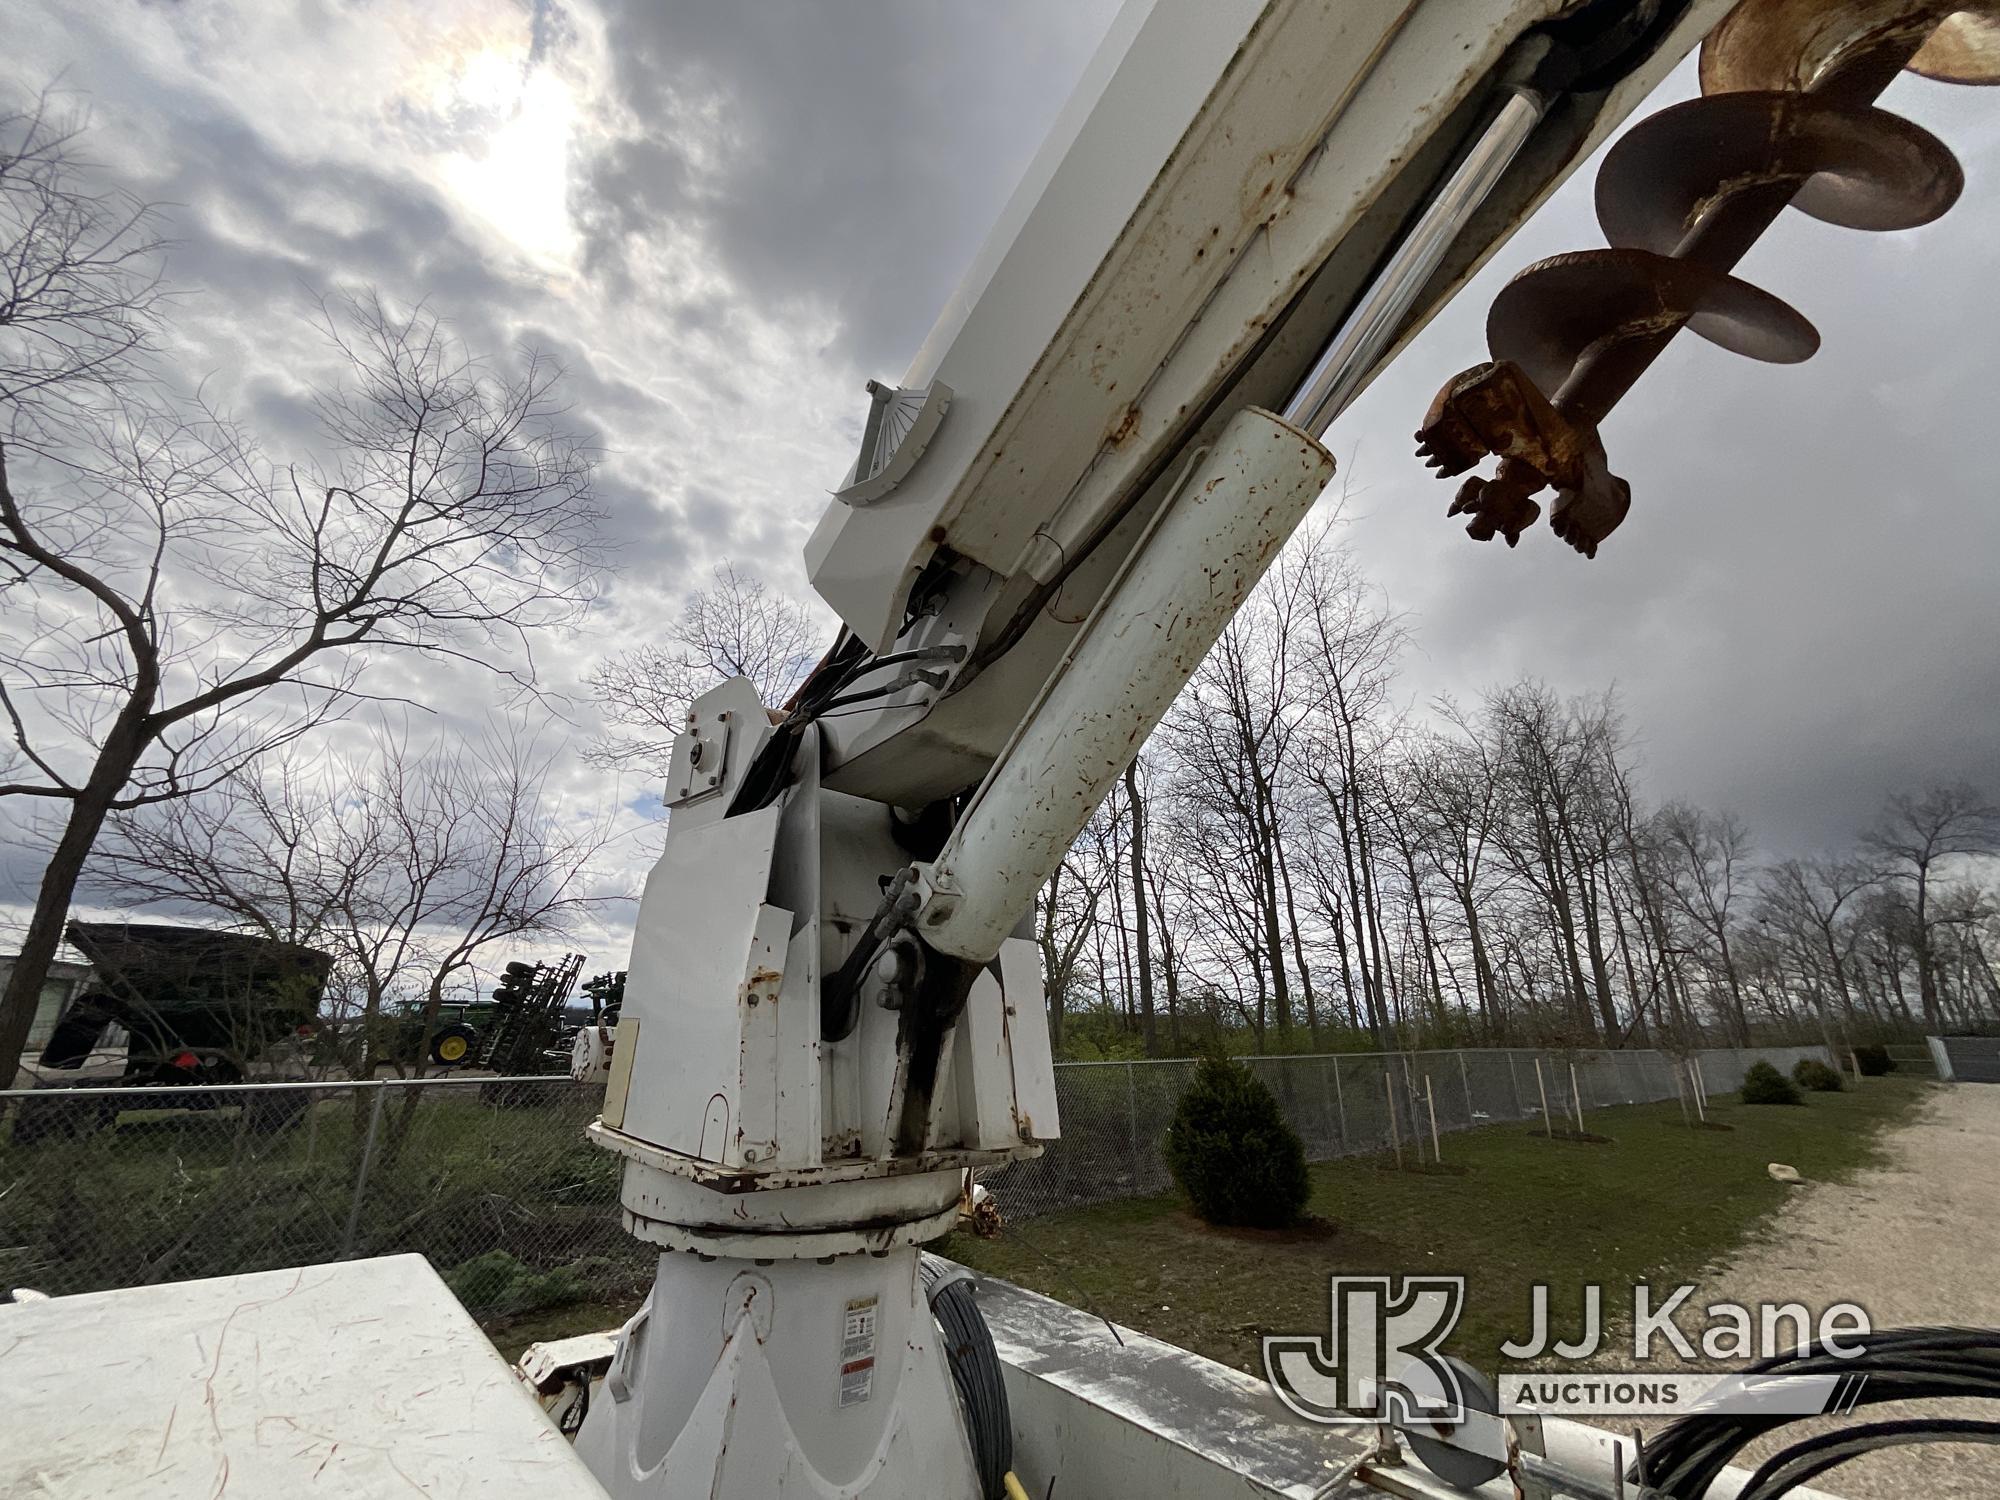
{"x":1914,"y":1241}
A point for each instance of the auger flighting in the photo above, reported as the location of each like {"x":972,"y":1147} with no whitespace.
{"x":1787,"y":119}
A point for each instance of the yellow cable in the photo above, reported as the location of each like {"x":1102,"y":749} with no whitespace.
{"x":1013,"y":1487}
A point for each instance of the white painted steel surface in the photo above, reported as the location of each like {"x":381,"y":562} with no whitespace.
{"x":800,"y":1380}
{"x":1213,"y":160}
{"x":1372,"y":326}
{"x":363,"y":1380}
{"x":1227,"y":520}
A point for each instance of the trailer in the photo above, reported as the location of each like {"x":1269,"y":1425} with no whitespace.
{"x":170,"y":1009}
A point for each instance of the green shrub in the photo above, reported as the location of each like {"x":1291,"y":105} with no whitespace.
{"x":497,"y":1283}
{"x":1815,"y":1076}
{"x":1764,"y":1084}
{"x":1873,"y":1060}
{"x":1233,"y":1153}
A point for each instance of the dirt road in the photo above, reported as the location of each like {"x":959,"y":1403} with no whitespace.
{"x":1914,"y":1241}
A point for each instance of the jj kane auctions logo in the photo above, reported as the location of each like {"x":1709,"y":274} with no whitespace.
{"x":1379,"y":1360}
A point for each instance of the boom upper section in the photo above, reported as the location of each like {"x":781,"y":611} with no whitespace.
{"x":1212,"y":202}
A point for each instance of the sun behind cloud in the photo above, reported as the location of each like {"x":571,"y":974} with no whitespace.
{"x":514,"y":174}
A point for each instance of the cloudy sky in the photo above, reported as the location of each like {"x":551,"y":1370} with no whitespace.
{"x":724,"y":218}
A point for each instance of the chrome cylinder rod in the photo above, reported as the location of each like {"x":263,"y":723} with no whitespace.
{"x":1353,"y":351}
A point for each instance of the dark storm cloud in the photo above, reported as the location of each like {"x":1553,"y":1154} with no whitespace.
{"x":848,"y":156}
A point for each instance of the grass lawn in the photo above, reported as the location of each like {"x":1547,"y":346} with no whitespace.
{"x":511,"y":1335}
{"x":1657,"y":1203}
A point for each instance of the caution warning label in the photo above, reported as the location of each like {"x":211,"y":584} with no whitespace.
{"x":857,"y":1351}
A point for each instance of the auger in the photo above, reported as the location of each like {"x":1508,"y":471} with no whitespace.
{"x":1786,"y":119}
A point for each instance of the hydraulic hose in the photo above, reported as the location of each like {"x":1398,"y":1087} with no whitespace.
{"x":975,"y":1371}
{"x":1904,"y":1364}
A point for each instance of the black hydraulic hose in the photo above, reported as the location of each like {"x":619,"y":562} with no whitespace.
{"x":766,"y":775}
{"x":975,"y":1371}
{"x":1806,"y":1460}
{"x":1898,"y":1365}
{"x":840,"y":993}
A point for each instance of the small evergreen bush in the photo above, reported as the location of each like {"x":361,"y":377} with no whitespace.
{"x":1874,"y":1060}
{"x":1233,"y":1153}
{"x":497,"y":1283}
{"x":1815,"y":1076}
{"x":1764,"y":1084}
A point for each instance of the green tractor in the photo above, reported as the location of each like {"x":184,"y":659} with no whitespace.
{"x":510,"y":1032}
{"x":455,"y":1032}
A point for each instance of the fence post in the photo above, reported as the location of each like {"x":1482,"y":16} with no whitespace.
{"x":1132,"y":1117}
{"x":1340,"y":1103}
{"x":1326,"y":1112}
{"x":1430,"y":1108}
{"x":361,"y":1175}
{"x":1395,"y":1132}
{"x":312,"y":1127}
{"x":1465,"y":1082}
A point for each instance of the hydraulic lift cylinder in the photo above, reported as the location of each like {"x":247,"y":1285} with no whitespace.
{"x":1212,"y":541}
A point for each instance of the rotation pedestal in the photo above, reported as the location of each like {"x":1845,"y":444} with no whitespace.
{"x":786,"y":1349}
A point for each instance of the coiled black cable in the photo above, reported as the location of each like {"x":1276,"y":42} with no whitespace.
{"x":975,"y":1371}
{"x":1902,"y":1364}
{"x":1806,"y":1460}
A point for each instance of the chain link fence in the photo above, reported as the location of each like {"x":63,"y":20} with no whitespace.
{"x":493,"y":1180}
{"x":1115,"y":1114}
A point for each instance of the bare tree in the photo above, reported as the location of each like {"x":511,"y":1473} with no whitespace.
{"x":736,"y":627}
{"x":1967,"y":923}
{"x":1350,"y":644}
{"x":1230,"y":736}
{"x":1644,"y":875}
{"x":1544,"y":753}
{"x":274,"y":850}
{"x":179,"y":606}
{"x":1170,"y":918}
{"x":407,"y":864}
{"x":80,"y":293}
{"x":1804,"y":899}
{"x":1457,"y":798}
{"x":1916,"y":835}
{"x":1142,"y":924}
{"x":1065,"y":920}
{"x":1708,"y":874}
